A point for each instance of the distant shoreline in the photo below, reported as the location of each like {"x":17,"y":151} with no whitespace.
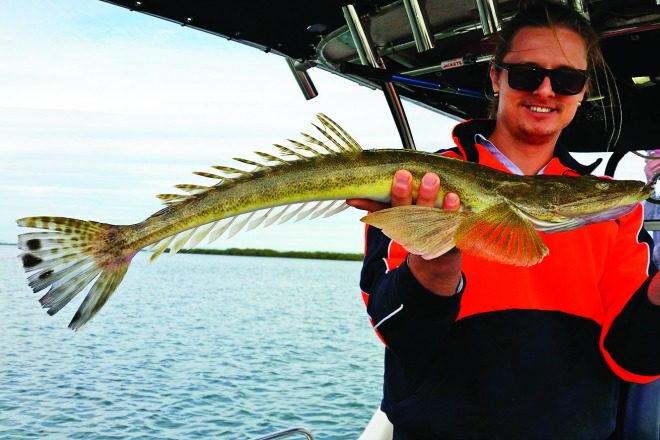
{"x":248,"y":252}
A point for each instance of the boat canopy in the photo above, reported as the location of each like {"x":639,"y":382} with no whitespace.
{"x":436,"y":53}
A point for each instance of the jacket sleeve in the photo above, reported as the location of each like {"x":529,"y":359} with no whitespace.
{"x":408,"y":317}
{"x":652,"y":212}
{"x":630,"y":340}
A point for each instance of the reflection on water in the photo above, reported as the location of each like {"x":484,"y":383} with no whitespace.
{"x":193,"y":346}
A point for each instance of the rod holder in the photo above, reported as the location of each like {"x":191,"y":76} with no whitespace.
{"x":302,"y":78}
{"x":419,"y":24}
{"x":490,"y":20}
{"x":369,"y":57}
{"x":579,"y":6}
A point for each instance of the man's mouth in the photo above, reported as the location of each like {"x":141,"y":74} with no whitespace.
{"x":537,"y":109}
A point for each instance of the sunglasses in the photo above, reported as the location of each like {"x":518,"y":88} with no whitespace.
{"x":528,"y":77}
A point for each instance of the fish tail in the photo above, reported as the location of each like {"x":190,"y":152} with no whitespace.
{"x":70,"y":256}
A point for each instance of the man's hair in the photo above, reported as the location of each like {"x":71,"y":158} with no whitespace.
{"x":546,"y":14}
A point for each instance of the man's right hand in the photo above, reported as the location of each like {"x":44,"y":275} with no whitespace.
{"x":440,"y":275}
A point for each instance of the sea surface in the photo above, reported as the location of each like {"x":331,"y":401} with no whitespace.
{"x":193,"y":346}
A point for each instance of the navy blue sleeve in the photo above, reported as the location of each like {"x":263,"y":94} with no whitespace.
{"x":410,"y":318}
{"x":634,"y":338}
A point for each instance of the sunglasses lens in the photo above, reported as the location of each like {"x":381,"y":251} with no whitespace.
{"x":529,"y":78}
{"x":524,"y":78}
{"x":567,"y":82}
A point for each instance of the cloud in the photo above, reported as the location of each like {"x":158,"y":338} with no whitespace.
{"x":103,"y":108}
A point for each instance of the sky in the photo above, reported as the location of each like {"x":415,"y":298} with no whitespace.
{"x":102,"y":108}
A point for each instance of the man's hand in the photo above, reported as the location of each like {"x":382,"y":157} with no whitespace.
{"x":440,"y":275}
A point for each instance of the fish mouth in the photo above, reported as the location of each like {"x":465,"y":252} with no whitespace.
{"x":574,"y":222}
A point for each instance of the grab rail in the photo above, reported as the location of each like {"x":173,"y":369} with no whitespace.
{"x":287,"y":433}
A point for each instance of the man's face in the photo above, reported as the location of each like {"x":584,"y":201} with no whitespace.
{"x":533,"y":116}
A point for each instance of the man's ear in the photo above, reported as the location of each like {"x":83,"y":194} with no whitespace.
{"x":494,"y":74}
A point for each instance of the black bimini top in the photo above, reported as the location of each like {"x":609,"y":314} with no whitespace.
{"x":318,"y":34}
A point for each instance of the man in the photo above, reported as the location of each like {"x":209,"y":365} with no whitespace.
{"x":478,"y":349}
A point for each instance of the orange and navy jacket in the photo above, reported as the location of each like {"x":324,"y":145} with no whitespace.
{"x":535,"y":352}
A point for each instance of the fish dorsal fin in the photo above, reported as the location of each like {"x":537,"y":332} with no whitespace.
{"x":500,"y":233}
{"x":421,"y":230}
{"x":335,"y":140}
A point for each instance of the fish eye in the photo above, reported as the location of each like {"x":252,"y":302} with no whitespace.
{"x":602,"y":185}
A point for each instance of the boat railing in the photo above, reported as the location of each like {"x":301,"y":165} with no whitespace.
{"x":288,"y":433}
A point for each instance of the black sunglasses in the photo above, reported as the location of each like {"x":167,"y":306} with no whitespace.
{"x":528,"y":77}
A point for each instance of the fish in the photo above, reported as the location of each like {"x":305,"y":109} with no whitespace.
{"x":498,"y":218}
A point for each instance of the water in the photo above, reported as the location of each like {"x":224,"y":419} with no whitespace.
{"x":193,"y":346}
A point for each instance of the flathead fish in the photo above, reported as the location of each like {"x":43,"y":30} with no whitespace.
{"x":497,"y":220}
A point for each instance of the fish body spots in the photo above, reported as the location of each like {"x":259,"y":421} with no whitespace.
{"x":30,"y":260}
{"x":34,"y":244}
{"x":46,"y":274}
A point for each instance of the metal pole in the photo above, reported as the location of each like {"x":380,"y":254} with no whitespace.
{"x":368,"y":56}
{"x":419,"y":24}
{"x":303,"y":79}
{"x":362,"y":41}
{"x":288,"y":433}
{"x":579,"y":6}
{"x":490,"y":20}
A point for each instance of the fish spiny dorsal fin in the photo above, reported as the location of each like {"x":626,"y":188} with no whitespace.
{"x":271,"y":158}
{"x":314,"y":141}
{"x":231,"y":170}
{"x":339,"y":132}
{"x":172,"y":199}
{"x":328,"y":136}
{"x":190,"y":188}
{"x":209,"y":175}
{"x":303,"y":147}
{"x":257,"y":166}
{"x":285,"y":151}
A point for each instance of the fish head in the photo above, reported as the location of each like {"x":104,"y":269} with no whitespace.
{"x":556,"y":203}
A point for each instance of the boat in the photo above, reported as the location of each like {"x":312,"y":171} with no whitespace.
{"x":436,"y":53}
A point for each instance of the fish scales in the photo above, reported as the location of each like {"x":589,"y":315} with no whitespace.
{"x":366,"y":174}
{"x":498,"y":219}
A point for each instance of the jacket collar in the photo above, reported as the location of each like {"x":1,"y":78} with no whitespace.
{"x":464,"y":132}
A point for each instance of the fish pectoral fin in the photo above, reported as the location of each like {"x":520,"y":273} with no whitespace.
{"x":421,"y":230}
{"x":500,"y":233}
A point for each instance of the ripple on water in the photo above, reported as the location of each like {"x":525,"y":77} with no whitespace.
{"x":193,"y":346}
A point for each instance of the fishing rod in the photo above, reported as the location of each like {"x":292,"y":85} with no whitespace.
{"x":385,"y":75}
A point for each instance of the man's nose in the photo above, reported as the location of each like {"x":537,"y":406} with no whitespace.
{"x":545,"y":88}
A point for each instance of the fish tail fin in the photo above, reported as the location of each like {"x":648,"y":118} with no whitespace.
{"x":70,"y":256}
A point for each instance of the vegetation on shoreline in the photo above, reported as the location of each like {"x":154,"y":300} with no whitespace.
{"x":265,"y":253}
{"x":272,"y":253}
